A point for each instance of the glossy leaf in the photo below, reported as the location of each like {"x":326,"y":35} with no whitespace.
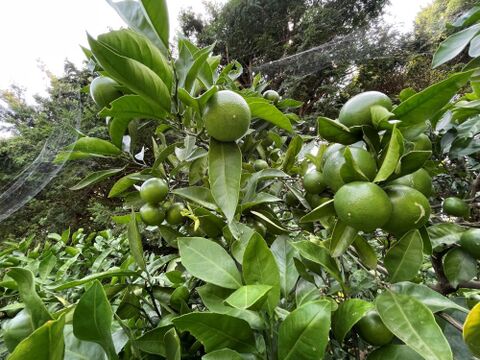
{"x":125,"y":109}
{"x":433,"y":300}
{"x":348,"y":314}
{"x":468,"y":18}
{"x":96,"y":276}
{"x":157,"y":13}
{"x":198,"y":194}
{"x":45,"y":343}
{"x":304,"y":332}
{"x":28,"y":294}
{"x":365,"y":252}
{"x":92,"y":319}
{"x":224,"y":174}
{"x":292,"y":152}
{"x":335,"y":132}
{"x":453,"y":45}
{"x":424,"y":105}
{"x":414,"y":324}
{"x":152,"y":342}
{"x":471,"y":330}
{"x":394,"y":352}
{"x":124,"y":183}
{"x":95,"y":146}
{"x":133,"y":74}
{"x":222,"y":355}
{"x":135,"y":241}
{"x":319,"y":255}
{"x":209,"y":261}
{"x":95,"y":177}
{"x":218,"y":331}
{"x":173,"y":350}
{"x":444,"y":234}
{"x":412,"y":161}
{"x":320,"y":212}
{"x":392,"y":157}
{"x":459,"y":266}
{"x":284,"y":253}
{"x":404,"y":259}
{"x":260,"y":267}
{"x":263,"y":109}
{"x":249,"y":296}
{"x":76,"y":349}
{"x":342,"y":237}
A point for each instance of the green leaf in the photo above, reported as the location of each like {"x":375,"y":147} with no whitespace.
{"x":394,"y":352}
{"x":319,"y":255}
{"x":92,"y":319}
{"x":45,"y":343}
{"x":261,"y":198}
{"x":209,"y":261}
{"x":471,"y":330}
{"x":135,"y":242}
{"x":335,"y":132}
{"x":259,"y":267}
{"x":365,"y":252}
{"x":224,"y":174}
{"x":173,"y":350}
{"x":430,"y":298}
{"x":218,"y":331}
{"x":194,"y":71}
{"x":95,"y":177}
{"x":414,"y":324}
{"x":137,"y":47}
{"x":131,"y":11}
{"x":468,"y":18}
{"x":474,"y":49}
{"x":133,"y":74}
{"x":95,"y":146}
{"x":304,"y":332}
{"x":125,"y":109}
{"x":321,"y":211}
{"x":444,"y":235}
{"x":249,"y":296}
{"x":198,"y":194}
{"x":123,"y":184}
{"x":76,"y":349}
{"x":347,"y":315}
{"x":157,"y":13}
{"x":88,"y":278}
{"x":152,"y":342}
{"x":284,"y":253}
{"x":424,"y":105}
{"x":293,"y":149}
{"x":28,"y":294}
{"x":394,"y":152}
{"x":453,"y":45}
{"x":264,"y":110}
{"x":222,"y":355}
{"x":412,"y":161}
{"x":459,"y":266}
{"x":404,"y":259}
{"x":342,"y":237}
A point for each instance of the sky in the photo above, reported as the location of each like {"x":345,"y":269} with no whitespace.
{"x":44,"y":33}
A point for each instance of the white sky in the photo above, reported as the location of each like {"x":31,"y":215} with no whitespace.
{"x":49,"y":31}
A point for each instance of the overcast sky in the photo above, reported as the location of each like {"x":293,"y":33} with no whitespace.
{"x":49,"y":31}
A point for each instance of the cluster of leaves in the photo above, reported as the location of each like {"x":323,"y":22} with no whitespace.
{"x":248,"y":274}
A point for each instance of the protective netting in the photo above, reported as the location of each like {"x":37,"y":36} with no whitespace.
{"x":33,"y":179}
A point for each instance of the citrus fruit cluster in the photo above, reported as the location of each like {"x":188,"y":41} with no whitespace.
{"x":153,"y":213}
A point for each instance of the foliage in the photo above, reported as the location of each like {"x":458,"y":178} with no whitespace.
{"x":246,"y":264}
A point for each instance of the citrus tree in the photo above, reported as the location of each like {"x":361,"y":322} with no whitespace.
{"x":249,"y":240}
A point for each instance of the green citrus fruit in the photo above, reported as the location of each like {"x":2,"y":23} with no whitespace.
{"x":362,"y":205}
{"x":470,"y":242}
{"x":333,"y":164}
{"x":332,"y":149}
{"x":411,"y":209}
{"x":356,"y":111}
{"x":372,"y":329}
{"x":260,"y":164}
{"x":271,"y":95}
{"x":104,"y":90}
{"x":154,"y":190}
{"x":227,"y":116}
{"x":472,"y":300}
{"x":174,"y":214}
{"x":456,"y":207}
{"x":313,"y":182}
{"x":422,"y":142}
{"x":419,"y":180}
{"x":152,"y":214}
{"x":17,"y":329}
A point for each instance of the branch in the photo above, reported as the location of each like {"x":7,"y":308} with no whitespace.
{"x":451,"y":321}
{"x":475,"y":187}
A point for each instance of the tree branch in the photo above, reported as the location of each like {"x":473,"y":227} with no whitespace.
{"x":451,"y":321}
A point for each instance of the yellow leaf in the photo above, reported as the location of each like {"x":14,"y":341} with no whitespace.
{"x":471,"y":330}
